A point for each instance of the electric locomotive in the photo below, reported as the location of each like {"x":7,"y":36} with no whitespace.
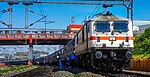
{"x":104,"y":42}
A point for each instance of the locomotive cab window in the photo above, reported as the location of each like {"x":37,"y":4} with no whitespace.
{"x":102,"y":26}
{"x":121,"y":26}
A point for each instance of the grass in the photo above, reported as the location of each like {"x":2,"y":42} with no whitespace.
{"x":14,"y":68}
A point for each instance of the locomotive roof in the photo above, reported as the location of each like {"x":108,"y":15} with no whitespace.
{"x":108,"y":18}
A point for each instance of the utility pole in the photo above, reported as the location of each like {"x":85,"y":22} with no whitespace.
{"x":26,"y":16}
{"x":10,"y":13}
{"x":26,"y":12}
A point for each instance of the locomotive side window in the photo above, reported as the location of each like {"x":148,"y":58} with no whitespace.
{"x":102,"y":26}
{"x":83,"y":34}
{"x":88,"y":28}
{"x":121,"y":26}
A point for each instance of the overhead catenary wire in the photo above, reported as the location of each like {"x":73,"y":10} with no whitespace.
{"x":93,"y":11}
{"x":96,"y":10}
{"x":42,"y":9}
{"x":42,"y":14}
{"x":39,"y":8}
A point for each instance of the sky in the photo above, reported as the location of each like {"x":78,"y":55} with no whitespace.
{"x":62,"y":14}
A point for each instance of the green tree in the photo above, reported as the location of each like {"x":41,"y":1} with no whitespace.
{"x":142,"y":44}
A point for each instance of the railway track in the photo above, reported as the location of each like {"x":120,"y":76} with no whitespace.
{"x":45,"y":71}
{"x":138,"y":73}
{"x":42,"y":71}
{"x":97,"y":73}
{"x":126,"y":73}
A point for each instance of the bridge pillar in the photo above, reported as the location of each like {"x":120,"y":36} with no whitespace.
{"x":30,"y":51}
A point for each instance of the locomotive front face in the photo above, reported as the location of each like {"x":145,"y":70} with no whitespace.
{"x":112,"y":41}
{"x":112,"y":34}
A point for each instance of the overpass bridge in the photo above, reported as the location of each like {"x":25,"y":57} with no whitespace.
{"x":34,"y":36}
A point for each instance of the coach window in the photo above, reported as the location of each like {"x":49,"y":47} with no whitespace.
{"x":77,"y":39}
{"x":102,"y":26}
{"x":121,"y":26}
{"x":73,"y":42}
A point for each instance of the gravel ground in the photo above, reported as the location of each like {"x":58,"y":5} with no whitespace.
{"x":69,"y":74}
{"x":62,"y":74}
{"x":89,"y":74}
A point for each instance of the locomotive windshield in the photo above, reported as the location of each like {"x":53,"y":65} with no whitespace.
{"x":102,"y":26}
{"x":121,"y":26}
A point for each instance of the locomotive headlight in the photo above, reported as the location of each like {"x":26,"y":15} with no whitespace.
{"x":128,"y":54}
{"x":98,"y":54}
{"x":112,"y":38}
